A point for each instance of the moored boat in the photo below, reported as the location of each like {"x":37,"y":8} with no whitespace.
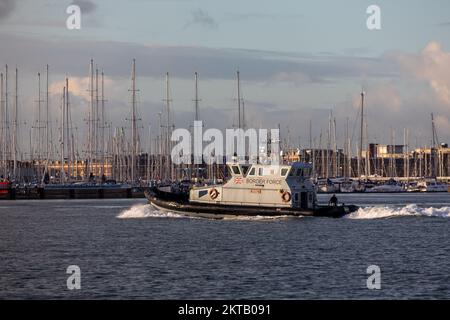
{"x":6,"y":190}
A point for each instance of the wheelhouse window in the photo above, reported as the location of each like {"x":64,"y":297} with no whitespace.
{"x":236,"y":170}
{"x":245,"y":169}
{"x":260,"y":172}
{"x":252,"y":172}
{"x":284,"y":172}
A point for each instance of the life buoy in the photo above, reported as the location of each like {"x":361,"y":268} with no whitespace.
{"x":286,"y":196}
{"x":213,"y":193}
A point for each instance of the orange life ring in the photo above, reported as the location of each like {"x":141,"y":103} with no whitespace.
{"x":213,"y":193}
{"x":286,"y":196}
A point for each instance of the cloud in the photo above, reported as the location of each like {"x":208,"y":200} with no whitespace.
{"x":78,"y":86}
{"x":201,"y":18}
{"x":443,"y":24}
{"x":433,"y":66}
{"x":182,"y":61}
{"x":86,"y":6}
{"x":401,"y":89}
{"x":6,"y":7}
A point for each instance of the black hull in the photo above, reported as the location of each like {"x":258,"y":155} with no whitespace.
{"x":180,"y":204}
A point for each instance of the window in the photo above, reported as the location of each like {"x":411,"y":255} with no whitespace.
{"x":284,"y":171}
{"x":236,"y":170}
{"x":252,"y":172}
{"x":308,"y":173}
{"x":202,"y":193}
{"x":245,"y":169}
{"x":260,"y":172}
{"x":296,"y":197}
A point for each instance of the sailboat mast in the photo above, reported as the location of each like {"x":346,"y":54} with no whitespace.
{"x":39,"y":121}
{"x":3,"y":127}
{"x":16,"y":113}
{"x":361,"y":137}
{"x":63,"y":103}
{"x":47,"y":123}
{"x":69,"y":153}
{"x":7,"y":144}
{"x":347,"y":153}
{"x":91,"y":115}
{"x":196,"y":97}
{"x":96,"y":123}
{"x":103,"y":124}
{"x":167,"y":151}
{"x":239,"y":98}
{"x":133,"y":121}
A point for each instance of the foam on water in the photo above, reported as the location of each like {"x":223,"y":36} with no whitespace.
{"x":391,"y":212}
{"x":256,"y":218}
{"x":375,"y":212}
{"x":146,"y":211}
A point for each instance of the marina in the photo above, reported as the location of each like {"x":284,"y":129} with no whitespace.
{"x":224,"y":158}
{"x":74,"y":169}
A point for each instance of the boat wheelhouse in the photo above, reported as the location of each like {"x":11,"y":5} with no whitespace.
{"x":263,"y":186}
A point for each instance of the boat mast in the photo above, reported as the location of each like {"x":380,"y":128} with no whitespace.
{"x":367,"y":156}
{"x":90,"y":116}
{"x":328,"y":146}
{"x":96,"y":148}
{"x":16,"y":112}
{"x":7,"y":144}
{"x":347,"y":170}
{"x":336,"y":156}
{"x":63,"y":103}
{"x":168,"y":131}
{"x":69,"y":153}
{"x":103,"y":126}
{"x":239,"y":98}
{"x":197,"y":117}
{"x":196,"y":100}
{"x":360,"y":153}
{"x":3,"y":127}
{"x":47,"y":133}
{"x":39,"y":121}
{"x":434,"y":161}
{"x":133,"y":121}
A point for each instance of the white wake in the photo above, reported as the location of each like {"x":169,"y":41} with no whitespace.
{"x":146,"y":211}
{"x":376,"y":212}
{"x":391,"y":212}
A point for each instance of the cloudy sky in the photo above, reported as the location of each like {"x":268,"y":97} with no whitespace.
{"x":298,"y":61}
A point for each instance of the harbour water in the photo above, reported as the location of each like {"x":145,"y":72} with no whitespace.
{"x":125,"y":249}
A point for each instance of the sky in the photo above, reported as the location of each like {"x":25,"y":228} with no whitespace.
{"x":298,"y":60}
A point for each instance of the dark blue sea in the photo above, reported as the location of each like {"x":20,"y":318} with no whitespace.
{"x":125,"y":249}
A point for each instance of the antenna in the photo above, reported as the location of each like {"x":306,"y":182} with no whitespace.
{"x":239,"y":99}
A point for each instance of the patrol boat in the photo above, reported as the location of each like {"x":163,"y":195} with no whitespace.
{"x":251,"y":190}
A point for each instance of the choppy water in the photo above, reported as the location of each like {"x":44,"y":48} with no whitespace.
{"x":125,"y":249}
